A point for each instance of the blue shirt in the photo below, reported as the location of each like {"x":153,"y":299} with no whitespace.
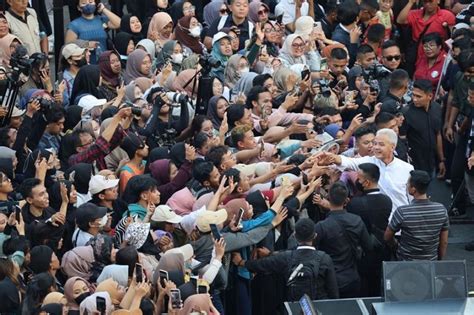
{"x":92,"y":30}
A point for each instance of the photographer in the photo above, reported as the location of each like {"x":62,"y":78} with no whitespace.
{"x":39,"y":76}
{"x":162,"y":127}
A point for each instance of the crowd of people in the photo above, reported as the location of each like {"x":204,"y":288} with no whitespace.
{"x":222,"y":157}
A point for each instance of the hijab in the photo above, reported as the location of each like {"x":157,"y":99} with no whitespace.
{"x":125,"y":27}
{"x":81,"y":177}
{"x":190,"y":62}
{"x":212,"y":111}
{"x":78,"y":262}
{"x":254,"y":7}
{"x":102,"y":246}
{"x":233,"y":207}
{"x":134,"y":63}
{"x":231,"y":72}
{"x":143,"y":83}
{"x":118,"y":273}
{"x":166,"y":52}
{"x":69,"y":292}
{"x":257,"y":200}
{"x":149,"y":46}
{"x":183,"y":78}
{"x":196,"y":303}
{"x":280,"y":77}
{"x":157,"y":23}
{"x":216,"y":53}
{"x":178,"y":154}
{"x":106,"y":70}
{"x":171,"y":262}
{"x":89,"y":305}
{"x":121,"y":41}
{"x":110,"y":286}
{"x":86,"y":82}
{"x":53,"y":297}
{"x":176,"y":11}
{"x":52,"y":309}
{"x":184,"y":37}
{"x":72,"y":117}
{"x":245,"y":83}
{"x":160,"y":170}
{"x":286,"y":52}
{"x":211,"y":12}
{"x":5,"y":53}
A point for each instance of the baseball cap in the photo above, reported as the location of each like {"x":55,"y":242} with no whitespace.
{"x":88,"y":102}
{"x":72,"y":49}
{"x":392,"y":108}
{"x":218,"y":36}
{"x":186,"y":250}
{"x":99,"y":183}
{"x":89,"y":212}
{"x":17,"y":112}
{"x":164,"y":213}
{"x":205,"y":218}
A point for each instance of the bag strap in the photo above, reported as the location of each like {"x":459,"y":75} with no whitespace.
{"x":422,"y":34}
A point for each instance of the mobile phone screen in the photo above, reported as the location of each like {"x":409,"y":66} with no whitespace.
{"x":163,"y":277}
{"x":139,"y":273}
{"x":175,"y":298}
{"x":239,"y":219}
{"x":100,"y":305}
{"x":215,"y":232}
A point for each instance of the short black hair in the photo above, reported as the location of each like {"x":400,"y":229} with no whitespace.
{"x":54,"y":114}
{"x":200,"y":139}
{"x":420,"y":180}
{"x":383,"y":118}
{"x":371,"y":171}
{"x":253,"y":95}
{"x":432,"y":37}
{"x":75,"y":137}
{"x":260,"y":79}
{"x":364,"y":130}
{"x":462,"y":43}
{"x":389,"y":43}
{"x":235,"y":113}
{"x":338,"y":193}
{"x":4,"y":137}
{"x":234,"y":173}
{"x":331,"y":6}
{"x":364,"y":49}
{"x":216,"y":153}
{"x":136,"y":185}
{"x":202,"y":170}
{"x":328,"y":110}
{"x":338,"y":53}
{"x":376,"y":33}
{"x":369,"y":5}
{"x":424,"y":85}
{"x":128,"y":256}
{"x":27,"y":186}
{"x":398,"y":79}
{"x":348,"y":12}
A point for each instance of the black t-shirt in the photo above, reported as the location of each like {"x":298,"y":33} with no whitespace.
{"x":244,"y":29}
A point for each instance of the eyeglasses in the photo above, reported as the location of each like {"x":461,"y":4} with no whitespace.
{"x":270,"y":30}
{"x":295,"y":45}
{"x":392,"y":58}
{"x":262,"y":12}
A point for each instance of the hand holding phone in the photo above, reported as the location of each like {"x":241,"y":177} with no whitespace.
{"x":101,"y":306}
{"x":215,"y":232}
{"x":163,"y":276}
{"x":175,"y":298}
{"x":239,"y":218}
{"x":138,"y":273}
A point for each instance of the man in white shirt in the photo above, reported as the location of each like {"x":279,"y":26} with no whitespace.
{"x":394,"y":173}
{"x":292,"y":10}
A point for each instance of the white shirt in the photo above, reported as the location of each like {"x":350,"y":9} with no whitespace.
{"x":287,"y":8}
{"x":80,"y":238}
{"x":393,"y":177}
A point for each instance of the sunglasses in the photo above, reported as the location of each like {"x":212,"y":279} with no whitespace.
{"x":262,"y":12}
{"x":223,"y":11}
{"x":392,"y":58}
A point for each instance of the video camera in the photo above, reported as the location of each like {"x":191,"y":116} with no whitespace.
{"x":208,"y":62}
{"x":375,"y":72}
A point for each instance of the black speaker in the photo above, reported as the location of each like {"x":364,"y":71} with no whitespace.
{"x":416,"y":281}
{"x":361,"y":306}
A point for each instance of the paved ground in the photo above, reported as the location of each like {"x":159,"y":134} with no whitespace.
{"x":459,"y":234}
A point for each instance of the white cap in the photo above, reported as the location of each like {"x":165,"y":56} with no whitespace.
{"x":461,"y":25}
{"x":164,"y":213}
{"x":17,"y":112}
{"x":88,"y":102}
{"x":72,"y":49}
{"x":186,"y":250}
{"x":218,"y":36}
{"x":304,"y":25}
{"x":99,"y":183}
{"x":205,"y":218}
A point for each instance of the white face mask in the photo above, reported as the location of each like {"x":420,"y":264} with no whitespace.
{"x":195,"y":31}
{"x":103,"y":221}
{"x":244,"y":71}
{"x":177,"y":58}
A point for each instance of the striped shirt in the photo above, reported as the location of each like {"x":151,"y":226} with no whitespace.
{"x":421,"y":223}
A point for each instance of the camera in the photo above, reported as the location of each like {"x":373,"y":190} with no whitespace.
{"x":374,"y":86}
{"x":375,"y":72}
{"x":177,"y":98}
{"x":8,"y":207}
{"x":208,"y":62}
{"x":324,"y":88}
{"x":20,"y":62}
{"x":45,"y":104}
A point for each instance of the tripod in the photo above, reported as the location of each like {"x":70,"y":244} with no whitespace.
{"x":9,"y":97}
{"x":204,"y":89}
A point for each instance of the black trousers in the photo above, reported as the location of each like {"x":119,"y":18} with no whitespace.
{"x":457,"y":171}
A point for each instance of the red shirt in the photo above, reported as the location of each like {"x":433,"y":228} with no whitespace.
{"x":418,"y":24}
{"x":423,"y":71}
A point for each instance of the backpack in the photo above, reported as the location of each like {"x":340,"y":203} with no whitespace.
{"x":302,"y":277}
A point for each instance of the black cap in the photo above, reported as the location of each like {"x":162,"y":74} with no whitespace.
{"x":131,"y":144}
{"x":88,"y":212}
{"x":304,"y":230}
{"x":393,"y":108}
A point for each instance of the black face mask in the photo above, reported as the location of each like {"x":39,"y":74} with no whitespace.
{"x":359,"y":185}
{"x":81,"y":62}
{"x":82,"y":297}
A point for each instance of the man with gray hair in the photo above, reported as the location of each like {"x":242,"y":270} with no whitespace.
{"x":394,"y":173}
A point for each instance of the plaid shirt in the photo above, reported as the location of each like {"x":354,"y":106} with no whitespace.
{"x":97,"y":151}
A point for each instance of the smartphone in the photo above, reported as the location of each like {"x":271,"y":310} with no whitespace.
{"x":175,"y":298}
{"x":163,"y":276}
{"x":323,"y":64}
{"x":279,"y":19}
{"x":305,"y":178}
{"x":349,"y":97}
{"x":194,"y":281}
{"x":215,"y":232}
{"x":201,"y":289}
{"x":306,"y":305}
{"x":101,"y":305}
{"x":138,"y":273}
{"x":17,"y":213}
{"x":305,"y":74}
{"x":239,"y":218}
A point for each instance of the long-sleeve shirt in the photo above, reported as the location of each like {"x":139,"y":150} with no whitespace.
{"x":326,"y":283}
{"x":393,"y":177}
{"x":97,"y":151}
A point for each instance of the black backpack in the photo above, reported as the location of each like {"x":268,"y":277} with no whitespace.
{"x":303,"y":275}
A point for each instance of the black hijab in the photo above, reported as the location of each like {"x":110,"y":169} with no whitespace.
{"x":258,"y":203}
{"x":86,"y":82}
{"x":6,"y":167}
{"x":176,"y":11}
{"x":178,"y":154}
{"x":82,"y":176}
{"x":121,"y":42}
{"x":73,"y":117}
{"x":125,"y":27}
